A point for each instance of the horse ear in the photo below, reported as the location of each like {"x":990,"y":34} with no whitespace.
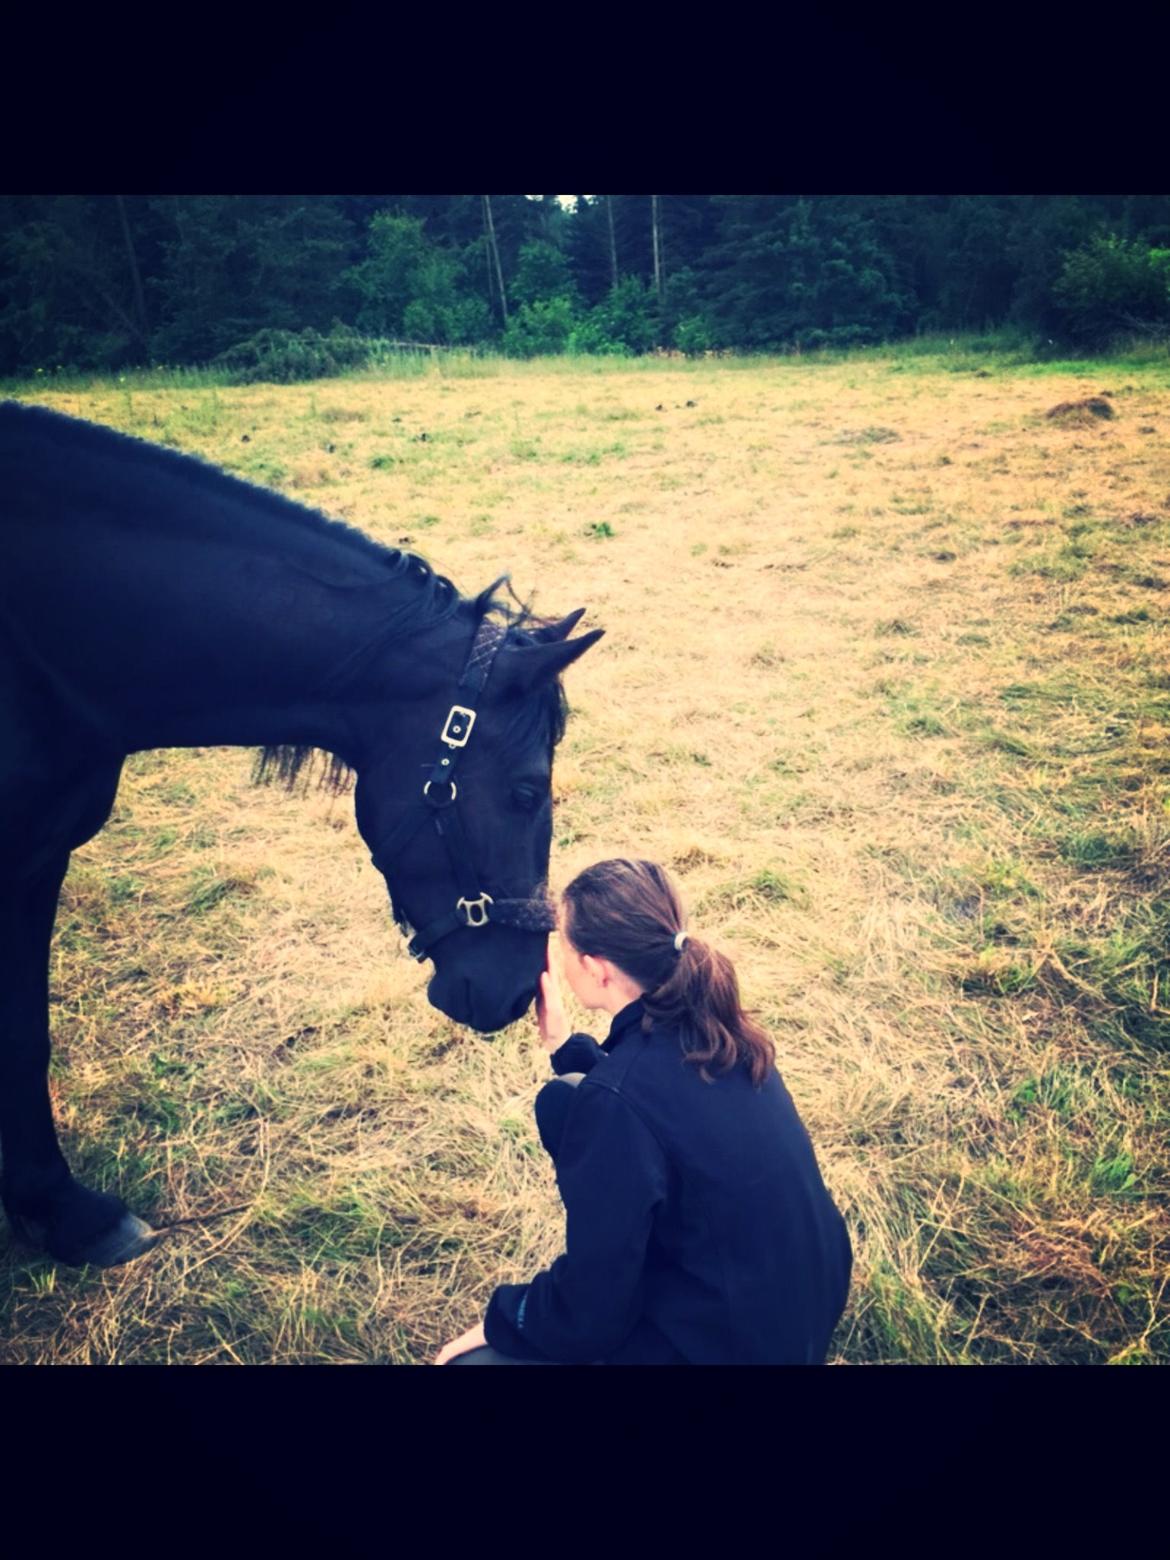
{"x":522,"y":667}
{"x":558,"y":631}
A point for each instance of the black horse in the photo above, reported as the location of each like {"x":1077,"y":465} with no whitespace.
{"x":148,"y":599}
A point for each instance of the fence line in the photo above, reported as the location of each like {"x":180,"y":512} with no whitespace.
{"x":423,"y":346}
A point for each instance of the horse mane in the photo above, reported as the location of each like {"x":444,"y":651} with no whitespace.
{"x":23,"y":421}
{"x":541,"y":716}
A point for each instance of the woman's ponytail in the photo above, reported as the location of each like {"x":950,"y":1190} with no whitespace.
{"x":631,"y":913}
{"x":701,"y":994}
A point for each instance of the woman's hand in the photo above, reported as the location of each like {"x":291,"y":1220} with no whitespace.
{"x":475,"y":1339}
{"x":550,"y":1010}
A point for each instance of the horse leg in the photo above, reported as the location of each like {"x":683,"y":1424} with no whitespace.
{"x":44,"y":1204}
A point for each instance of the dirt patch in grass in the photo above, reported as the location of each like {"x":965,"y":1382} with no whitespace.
{"x":1081,"y":413}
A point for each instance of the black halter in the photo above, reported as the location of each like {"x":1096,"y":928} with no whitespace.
{"x":474,"y":907}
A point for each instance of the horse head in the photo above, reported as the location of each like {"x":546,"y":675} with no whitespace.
{"x":457,"y":813}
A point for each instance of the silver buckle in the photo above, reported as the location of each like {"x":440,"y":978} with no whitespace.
{"x":475,"y":910}
{"x":458,"y":727}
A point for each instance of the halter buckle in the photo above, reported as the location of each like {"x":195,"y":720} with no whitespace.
{"x":475,"y":911}
{"x":458,"y":726}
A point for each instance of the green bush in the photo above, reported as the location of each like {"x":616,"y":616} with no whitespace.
{"x":628,"y":314}
{"x":454,"y":323}
{"x":693,"y":335}
{"x":1112,"y":287}
{"x":539,"y":329}
{"x":588,"y":338}
{"x":284,"y":357}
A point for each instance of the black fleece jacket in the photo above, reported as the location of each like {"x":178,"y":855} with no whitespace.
{"x":698,"y":1227}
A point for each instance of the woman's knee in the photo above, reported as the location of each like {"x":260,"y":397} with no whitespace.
{"x":551,"y":1108}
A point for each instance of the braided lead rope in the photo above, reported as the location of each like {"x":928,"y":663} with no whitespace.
{"x":528,"y":915}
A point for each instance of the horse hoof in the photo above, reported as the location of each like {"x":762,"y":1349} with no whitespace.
{"x":131,"y":1237}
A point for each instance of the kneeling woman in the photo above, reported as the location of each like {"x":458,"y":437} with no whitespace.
{"x":699,"y":1230}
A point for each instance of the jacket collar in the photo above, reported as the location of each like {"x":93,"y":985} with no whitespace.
{"x":624,"y":1020}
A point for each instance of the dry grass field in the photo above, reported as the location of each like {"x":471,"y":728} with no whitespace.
{"x":885,"y":683}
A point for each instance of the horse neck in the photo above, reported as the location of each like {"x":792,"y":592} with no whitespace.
{"x":229,"y":631}
{"x":306,"y":663}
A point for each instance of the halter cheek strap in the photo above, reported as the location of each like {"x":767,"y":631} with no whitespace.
{"x":437,"y":805}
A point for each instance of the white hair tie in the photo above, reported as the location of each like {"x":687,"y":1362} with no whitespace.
{"x":679,"y":939}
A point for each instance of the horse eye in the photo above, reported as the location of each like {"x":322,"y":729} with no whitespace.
{"x":527,"y":797}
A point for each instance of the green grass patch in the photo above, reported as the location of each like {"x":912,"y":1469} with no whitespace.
{"x":1094,"y":850}
{"x":593,"y":455}
{"x":923,"y":724}
{"x":997,"y":972}
{"x":755,"y":890}
{"x":1113,"y":1176}
{"x":1000,"y":741}
{"x":349,"y":1225}
{"x":209,"y":888}
{"x":870,"y":435}
{"x":1064,"y":566}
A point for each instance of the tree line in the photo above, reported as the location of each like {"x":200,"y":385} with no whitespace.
{"x":259,"y":282}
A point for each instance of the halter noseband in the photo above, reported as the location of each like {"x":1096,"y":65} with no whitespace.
{"x":474,"y":907}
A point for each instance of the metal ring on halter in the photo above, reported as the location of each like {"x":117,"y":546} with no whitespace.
{"x":450,"y":799}
{"x":475,"y":910}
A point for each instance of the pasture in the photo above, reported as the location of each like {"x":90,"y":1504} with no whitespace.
{"x":885,"y":684}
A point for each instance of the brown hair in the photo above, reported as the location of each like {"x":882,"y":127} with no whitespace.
{"x":631,"y":913}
